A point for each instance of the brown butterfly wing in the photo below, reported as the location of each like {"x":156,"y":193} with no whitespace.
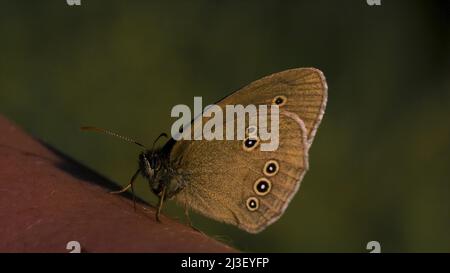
{"x":305,"y":90}
{"x":221,"y":175}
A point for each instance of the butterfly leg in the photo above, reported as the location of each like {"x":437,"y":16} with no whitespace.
{"x":160,"y":204}
{"x":128,"y":186}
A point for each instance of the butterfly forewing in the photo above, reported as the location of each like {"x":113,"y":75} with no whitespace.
{"x":304,"y":91}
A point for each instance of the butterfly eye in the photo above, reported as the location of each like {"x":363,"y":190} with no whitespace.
{"x":279,"y":100}
{"x":271,"y":168}
{"x":262,"y":186}
{"x":250,"y":143}
{"x":252,"y":203}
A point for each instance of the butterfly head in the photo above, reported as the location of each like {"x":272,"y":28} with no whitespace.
{"x":149,"y":164}
{"x":155,"y":167}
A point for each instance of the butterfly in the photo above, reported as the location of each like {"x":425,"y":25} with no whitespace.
{"x":233,"y":181}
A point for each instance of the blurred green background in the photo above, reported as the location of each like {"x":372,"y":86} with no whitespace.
{"x":379,"y":166}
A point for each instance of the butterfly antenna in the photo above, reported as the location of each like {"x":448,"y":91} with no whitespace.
{"x":97,"y":129}
{"x":156,"y":140}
